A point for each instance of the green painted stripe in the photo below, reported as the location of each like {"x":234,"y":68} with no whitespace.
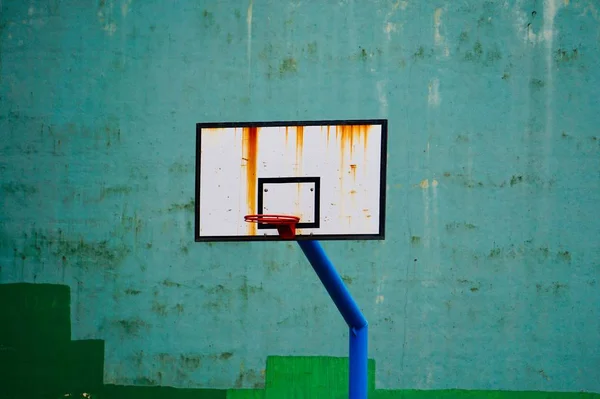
{"x":465,"y":394}
{"x":246,"y":394}
{"x":310,"y":377}
{"x":135,"y":392}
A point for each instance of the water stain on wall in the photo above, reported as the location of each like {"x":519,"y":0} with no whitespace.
{"x":71,"y":250}
{"x":188,"y":206}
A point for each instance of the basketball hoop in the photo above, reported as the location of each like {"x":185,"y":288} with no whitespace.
{"x":285,"y":224}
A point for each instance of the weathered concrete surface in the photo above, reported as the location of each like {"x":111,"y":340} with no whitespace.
{"x":489,"y":276}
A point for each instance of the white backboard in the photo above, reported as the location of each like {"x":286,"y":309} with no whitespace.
{"x":331,"y":174}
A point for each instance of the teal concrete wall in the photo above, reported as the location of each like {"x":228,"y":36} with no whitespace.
{"x":488,"y":278}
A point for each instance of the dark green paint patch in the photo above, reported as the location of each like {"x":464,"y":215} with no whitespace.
{"x":311,"y":48}
{"x":474,"y":54}
{"x":477,"y":54}
{"x":288,"y":66}
{"x":130,"y":291}
{"x":86,"y":361}
{"x":217,"y":289}
{"x":495,"y":252}
{"x":464,"y":281}
{"x":537,"y":84}
{"x":474,"y":289}
{"x":37,"y":356}
{"x":362,"y":54}
{"x":415,"y":240}
{"x":555,"y":288}
{"x":159,"y":308}
{"x":565,"y":56}
{"x":463,"y":37}
{"x":132,"y":326}
{"x":246,"y":290}
{"x":169,"y":283}
{"x":464,"y":180}
{"x":484,"y":21}
{"x":157,"y":392}
{"x":188,"y":206}
{"x":564,"y":256}
{"x":190,"y":362}
{"x":115,"y":190}
{"x":456,"y":226}
{"x":208,"y":18}
{"x":35,"y":315}
{"x":179,"y":167}
{"x":145,"y":381}
{"x":225,"y":355}
{"x":421,"y":53}
{"x":14,"y":188}
{"x":493,"y":56}
{"x":462,"y":138}
{"x":516,"y":179}
{"x":347,"y":279}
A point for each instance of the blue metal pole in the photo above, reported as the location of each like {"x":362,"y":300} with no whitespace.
{"x":350,"y":312}
{"x":358,"y":362}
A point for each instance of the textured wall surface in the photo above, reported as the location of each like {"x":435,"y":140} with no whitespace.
{"x":488,"y":278}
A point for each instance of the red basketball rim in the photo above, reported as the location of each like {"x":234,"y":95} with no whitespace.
{"x":272,"y":219}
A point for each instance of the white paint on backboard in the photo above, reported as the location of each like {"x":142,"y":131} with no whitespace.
{"x":347,"y":158}
{"x":296,"y":199}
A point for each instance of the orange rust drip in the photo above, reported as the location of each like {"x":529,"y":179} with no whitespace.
{"x":347,"y":133}
{"x":352,"y":135}
{"x":299,"y":146}
{"x":250,"y":152}
{"x":353,"y":171}
{"x":286,"y":135}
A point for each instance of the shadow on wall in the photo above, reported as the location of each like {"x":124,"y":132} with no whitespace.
{"x":39,"y":360}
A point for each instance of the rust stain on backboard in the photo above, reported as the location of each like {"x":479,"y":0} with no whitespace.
{"x":299,"y":148}
{"x":350,"y":138}
{"x":299,"y":152}
{"x":353,"y":170}
{"x":287,"y":132}
{"x":250,"y":154}
{"x":352,"y":135}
